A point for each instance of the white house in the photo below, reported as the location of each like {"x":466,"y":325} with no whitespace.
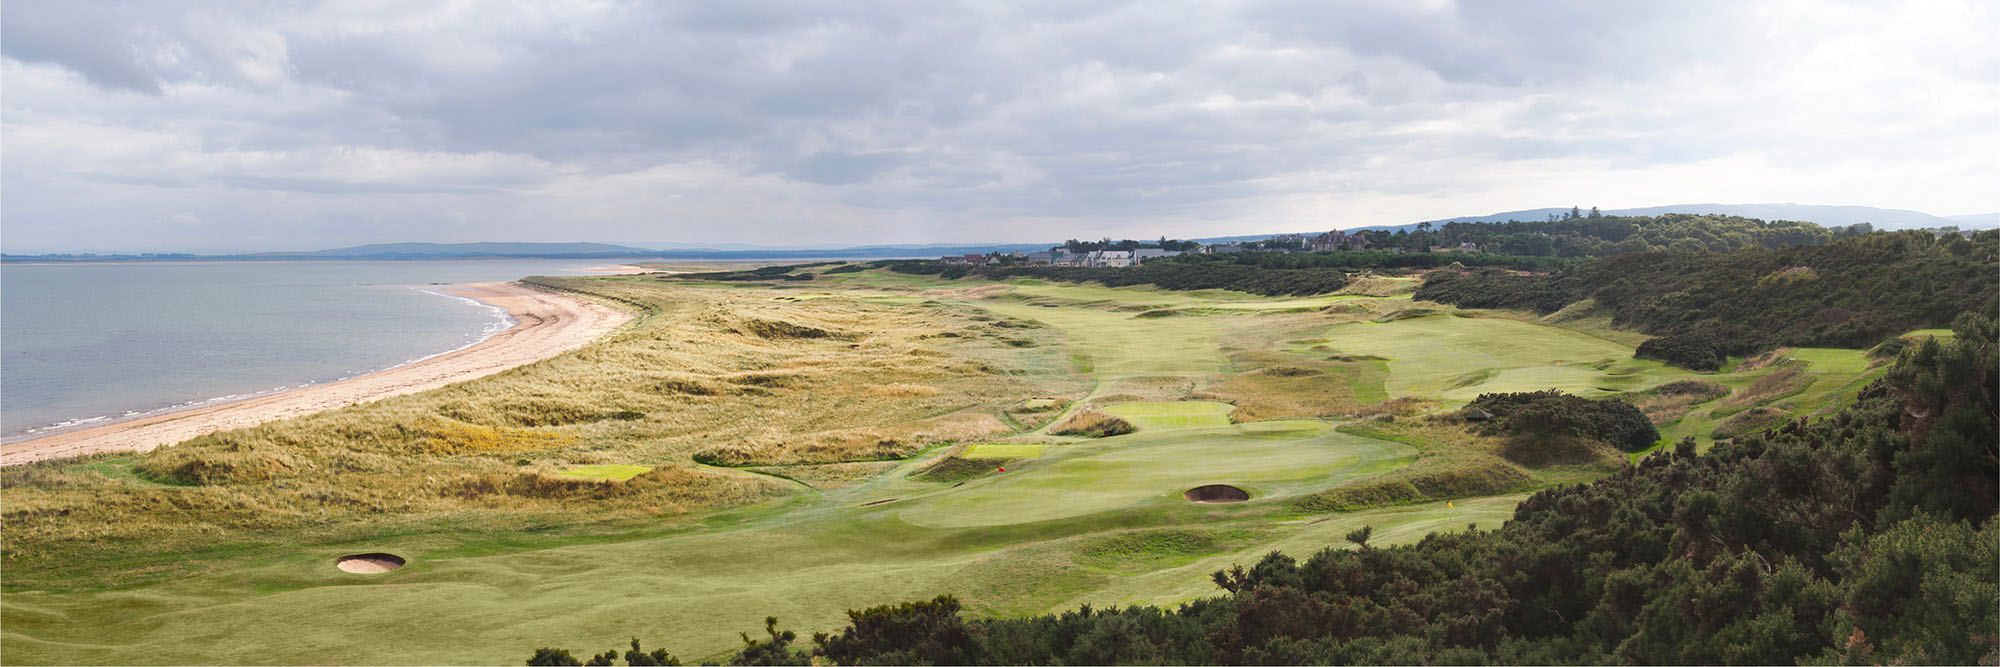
{"x":1110,"y":258}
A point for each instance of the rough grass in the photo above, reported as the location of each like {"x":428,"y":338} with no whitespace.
{"x":1300,"y":389}
{"x":1668,"y":402}
{"x":829,"y":476}
{"x":958,"y":469}
{"x":108,"y":563}
{"x":1035,"y":413}
{"x":703,"y":367}
{"x":1751,"y":420}
{"x":1092,"y":424}
{"x":615,"y":472}
{"x":1787,"y":380}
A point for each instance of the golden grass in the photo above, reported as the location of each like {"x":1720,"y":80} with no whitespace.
{"x":829,"y":476}
{"x":707,"y":370}
{"x":1789,"y":379}
{"x":1673,"y":400}
{"x":1092,"y":424}
{"x":1382,"y":285}
{"x":1751,"y":420}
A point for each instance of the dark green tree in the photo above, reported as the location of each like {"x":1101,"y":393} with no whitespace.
{"x":777,"y":650}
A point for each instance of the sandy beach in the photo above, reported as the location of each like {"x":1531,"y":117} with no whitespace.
{"x":618,"y":269}
{"x":548,"y":324}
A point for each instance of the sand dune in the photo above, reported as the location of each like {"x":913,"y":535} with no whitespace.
{"x":548,"y":324}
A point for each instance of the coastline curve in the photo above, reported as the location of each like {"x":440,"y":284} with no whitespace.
{"x":546,"y":324}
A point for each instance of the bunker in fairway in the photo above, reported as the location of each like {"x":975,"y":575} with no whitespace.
{"x":375,"y":563}
{"x":1216,"y":493}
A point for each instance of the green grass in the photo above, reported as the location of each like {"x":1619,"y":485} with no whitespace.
{"x":992,"y":451}
{"x":1098,"y":521}
{"x":1185,"y":413}
{"x":1151,"y":468}
{"x":1430,"y":356}
{"x":616,"y":472}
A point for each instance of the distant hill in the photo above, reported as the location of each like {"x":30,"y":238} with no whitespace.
{"x":1977,"y":220}
{"x":1824,"y":216}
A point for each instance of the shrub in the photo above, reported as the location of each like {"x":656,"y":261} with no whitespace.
{"x":1551,"y":412}
{"x":1696,"y":351}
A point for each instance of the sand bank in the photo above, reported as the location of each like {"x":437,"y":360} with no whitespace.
{"x":617,"y":269}
{"x":548,"y":324}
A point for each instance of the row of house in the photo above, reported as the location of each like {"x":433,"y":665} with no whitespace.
{"x":1109,"y":258}
{"x":1063,"y":257}
{"x":1328,"y":242}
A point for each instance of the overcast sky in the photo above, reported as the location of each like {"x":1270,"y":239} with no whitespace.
{"x":300,"y":125}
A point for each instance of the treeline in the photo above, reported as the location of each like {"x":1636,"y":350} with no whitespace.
{"x":1593,"y":235}
{"x":1379,"y":259}
{"x":1162,"y":273}
{"x":1867,"y":537}
{"x":1268,"y":274}
{"x":1704,"y":306}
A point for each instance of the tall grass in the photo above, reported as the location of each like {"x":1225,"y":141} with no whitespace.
{"x":725,"y":375}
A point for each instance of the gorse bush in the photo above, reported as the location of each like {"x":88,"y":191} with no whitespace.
{"x":1551,"y":412}
{"x":1704,"y":305}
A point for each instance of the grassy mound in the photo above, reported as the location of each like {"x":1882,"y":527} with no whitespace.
{"x":1092,"y":424}
{"x":1463,"y":479}
{"x":1150,"y":550}
{"x":953,"y":469}
{"x":1748,"y":421}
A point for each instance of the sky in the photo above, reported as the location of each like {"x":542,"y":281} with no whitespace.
{"x":245,"y":126}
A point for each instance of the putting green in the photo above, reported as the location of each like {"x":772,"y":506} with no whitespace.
{"x":1183,"y":413}
{"x":991,"y":451}
{"x":1445,"y":355}
{"x":1111,"y":475}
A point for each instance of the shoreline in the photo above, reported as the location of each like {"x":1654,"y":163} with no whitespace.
{"x":546,"y":324}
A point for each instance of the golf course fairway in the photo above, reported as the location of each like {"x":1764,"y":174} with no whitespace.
{"x":1042,"y":522}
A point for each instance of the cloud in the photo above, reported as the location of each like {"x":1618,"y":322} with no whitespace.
{"x":886,"y":122}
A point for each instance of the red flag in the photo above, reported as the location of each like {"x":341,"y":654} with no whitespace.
{"x":1003,"y":470}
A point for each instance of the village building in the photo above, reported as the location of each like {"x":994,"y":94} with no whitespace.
{"x":1338,"y":240}
{"x":1110,"y":259}
{"x":1144,"y":254}
{"x":968,"y":260}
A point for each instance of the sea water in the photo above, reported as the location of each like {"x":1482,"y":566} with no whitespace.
{"x":89,"y":343}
